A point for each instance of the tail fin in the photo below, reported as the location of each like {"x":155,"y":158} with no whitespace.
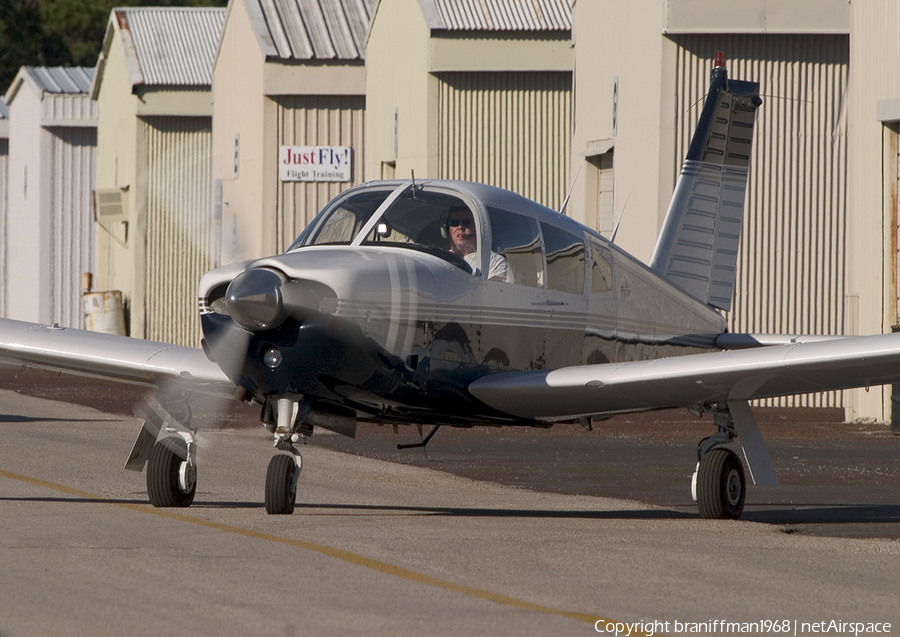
{"x":697,"y":248}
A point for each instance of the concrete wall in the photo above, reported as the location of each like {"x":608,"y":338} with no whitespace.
{"x":872,"y":205}
{"x":119,"y":144}
{"x":611,"y":43}
{"x":240,"y":110}
{"x":401,"y":94}
{"x":29,"y":229}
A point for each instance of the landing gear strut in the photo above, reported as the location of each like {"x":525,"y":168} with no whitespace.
{"x":719,"y":486}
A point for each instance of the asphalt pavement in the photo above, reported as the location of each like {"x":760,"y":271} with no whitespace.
{"x":385,"y":548}
{"x":838,"y":479}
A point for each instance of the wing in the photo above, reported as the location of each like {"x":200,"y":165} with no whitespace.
{"x":118,"y":358}
{"x":697,"y":379}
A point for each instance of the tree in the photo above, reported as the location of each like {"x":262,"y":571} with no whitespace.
{"x":20,"y":37}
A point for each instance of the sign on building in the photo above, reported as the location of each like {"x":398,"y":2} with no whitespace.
{"x":315,"y":163}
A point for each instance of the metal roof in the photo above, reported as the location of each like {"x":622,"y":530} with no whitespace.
{"x":312,"y":29}
{"x":498,"y":15}
{"x":61,"y":79}
{"x":174,"y":46}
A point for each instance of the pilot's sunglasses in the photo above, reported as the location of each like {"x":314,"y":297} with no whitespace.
{"x":465,"y":223}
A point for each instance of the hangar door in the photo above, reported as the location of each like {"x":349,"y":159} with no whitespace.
{"x":511,"y":130}
{"x":73,"y":153}
{"x":180,"y":235}
{"x":315,"y":120}
{"x":4,"y":212}
{"x":790,"y":272}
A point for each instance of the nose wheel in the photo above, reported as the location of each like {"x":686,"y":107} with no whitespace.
{"x":720,"y":485}
{"x":281,"y":484}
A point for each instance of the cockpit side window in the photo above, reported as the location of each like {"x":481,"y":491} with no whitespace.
{"x":515,"y":239}
{"x":565,"y":260}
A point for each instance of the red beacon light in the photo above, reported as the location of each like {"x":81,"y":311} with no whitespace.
{"x":720,"y":59}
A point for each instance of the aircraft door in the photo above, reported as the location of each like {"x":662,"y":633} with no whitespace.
{"x":565,"y":303}
{"x":514,"y":310}
{"x":600,"y":344}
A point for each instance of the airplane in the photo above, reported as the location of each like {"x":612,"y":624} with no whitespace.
{"x":450,"y":303}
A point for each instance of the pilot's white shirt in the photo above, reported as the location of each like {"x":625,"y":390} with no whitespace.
{"x":499,"y":270}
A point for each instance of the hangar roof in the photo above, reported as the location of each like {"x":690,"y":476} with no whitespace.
{"x":164,"y":46}
{"x":312,"y":29}
{"x":498,"y":15}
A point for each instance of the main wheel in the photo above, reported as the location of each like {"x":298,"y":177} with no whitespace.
{"x":171,"y":479}
{"x":281,"y":490}
{"x":721,"y":487}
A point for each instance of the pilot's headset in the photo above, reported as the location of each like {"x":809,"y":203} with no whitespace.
{"x":445,"y":219}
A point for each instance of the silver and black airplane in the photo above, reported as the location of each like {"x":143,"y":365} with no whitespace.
{"x":450,"y":303}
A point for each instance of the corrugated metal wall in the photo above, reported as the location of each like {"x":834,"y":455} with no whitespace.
{"x":315,"y":120}
{"x":68,"y":108}
{"x":511,"y":130}
{"x":4,"y":226}
{"x":73,"y":242}
{"x":791,"y":273}
{"x":180,"y":232}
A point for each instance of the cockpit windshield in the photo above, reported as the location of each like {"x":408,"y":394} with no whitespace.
{"x":416,"y":218}
{"x":342,"y":219}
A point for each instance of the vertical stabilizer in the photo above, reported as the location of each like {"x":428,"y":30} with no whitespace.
{"x":697,"y":248}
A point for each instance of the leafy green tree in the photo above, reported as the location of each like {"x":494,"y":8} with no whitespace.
{"x":20,"y":37}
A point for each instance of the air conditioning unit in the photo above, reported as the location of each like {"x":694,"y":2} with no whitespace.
{"x":110,"y":204}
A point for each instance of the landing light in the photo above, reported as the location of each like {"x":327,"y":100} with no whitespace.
{"x":272,"y":358}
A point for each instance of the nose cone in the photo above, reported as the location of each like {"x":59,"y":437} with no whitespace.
{"x":254,"y":300}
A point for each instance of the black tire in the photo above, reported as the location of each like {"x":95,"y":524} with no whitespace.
{"x":281,"y":492}
{"x":721,"y":487}
{"x":163,"y":474}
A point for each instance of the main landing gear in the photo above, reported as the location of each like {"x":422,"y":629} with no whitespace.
{"x":719,"y":486}
{"x":171,"y":459}
{"x":284,"y":468}
{"x":172,"y":472}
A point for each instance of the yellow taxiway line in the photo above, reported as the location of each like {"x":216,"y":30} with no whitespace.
{"x":330,"y":551}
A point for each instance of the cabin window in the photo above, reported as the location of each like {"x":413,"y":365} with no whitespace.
{"x":565,"y":260}
{"x":515,"y":238}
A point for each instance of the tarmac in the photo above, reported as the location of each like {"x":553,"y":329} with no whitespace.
{"x":494,"y":532}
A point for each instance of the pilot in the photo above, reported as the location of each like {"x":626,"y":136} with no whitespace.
{"x":464,"y":242}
